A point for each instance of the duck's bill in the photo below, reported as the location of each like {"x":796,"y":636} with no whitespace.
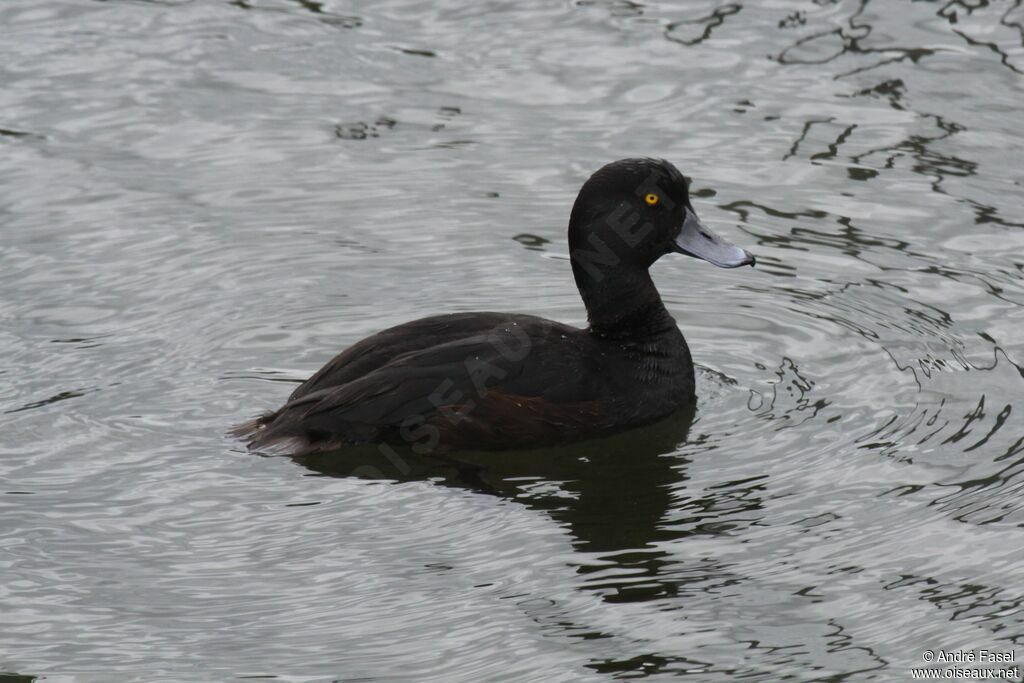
{"x":698,"y":241}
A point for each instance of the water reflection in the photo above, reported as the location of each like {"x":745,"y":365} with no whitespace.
{"x":695,"y":31}
{"x":6,"y":677}
{"x":614,"y":495}
{"x":319,"y":9}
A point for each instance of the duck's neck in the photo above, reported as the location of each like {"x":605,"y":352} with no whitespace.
{"x":624,"y":304}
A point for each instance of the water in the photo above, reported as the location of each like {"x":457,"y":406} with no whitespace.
{"x":203,"y":201}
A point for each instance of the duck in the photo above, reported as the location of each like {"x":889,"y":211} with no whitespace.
{"x":487,"y":381}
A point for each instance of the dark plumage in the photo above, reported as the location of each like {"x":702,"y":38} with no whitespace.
{"x":500,"y":380}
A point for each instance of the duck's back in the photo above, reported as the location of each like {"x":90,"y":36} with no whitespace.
{"x":379,"y":349}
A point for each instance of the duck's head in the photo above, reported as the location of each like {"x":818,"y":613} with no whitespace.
{"x":632,"y":212}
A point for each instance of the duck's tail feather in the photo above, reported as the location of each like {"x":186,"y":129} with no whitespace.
{"x":259,"y":437}
{"x":251,"y":430}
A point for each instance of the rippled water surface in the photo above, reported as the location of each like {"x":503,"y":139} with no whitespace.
{"x":203,"y":201}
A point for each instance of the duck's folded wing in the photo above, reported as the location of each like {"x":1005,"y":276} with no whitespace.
{"x":378,"y":350}
{"x":504,"y":390}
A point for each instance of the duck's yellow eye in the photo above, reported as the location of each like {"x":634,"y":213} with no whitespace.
{"x":652,"y":199}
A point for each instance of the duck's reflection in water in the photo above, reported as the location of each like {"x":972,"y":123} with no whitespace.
{"x":611,"y":494}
